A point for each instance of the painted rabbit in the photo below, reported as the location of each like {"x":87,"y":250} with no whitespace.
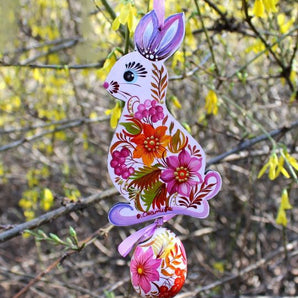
{"x":153,"y":161}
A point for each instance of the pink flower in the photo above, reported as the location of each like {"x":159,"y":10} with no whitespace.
{"x":182,"y":173}
{"x":143,"y":268}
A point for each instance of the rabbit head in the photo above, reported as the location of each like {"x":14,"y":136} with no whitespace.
{"x":155,"y":41}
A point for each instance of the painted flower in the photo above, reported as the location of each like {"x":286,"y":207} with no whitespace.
{"x":143,"y":268}
{"x":151,"y":143}
{"x":150,"y":109}
{"x":182,"y":173}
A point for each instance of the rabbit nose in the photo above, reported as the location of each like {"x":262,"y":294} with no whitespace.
{"x":106,"y":85}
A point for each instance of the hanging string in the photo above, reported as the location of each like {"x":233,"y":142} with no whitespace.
{"x":159,"y":8}
{"x":128,"y":243}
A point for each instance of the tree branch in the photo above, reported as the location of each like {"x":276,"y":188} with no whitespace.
{"x":54,"y":66}
{"x":56,"y":129}
{"x":51,"y":215}
{"x":285,"y":69}
{"x":47,"y":217}
{"x":249,"y":143}
{"x":290,"y":247}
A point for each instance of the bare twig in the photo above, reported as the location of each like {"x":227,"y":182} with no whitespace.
{"x":54,"y":66}
{"x":82,"y":244}
{"x":47,"y":270}
{"x":49,"y":216}
{"x":56,"y":129}
{"x":249,"y":143}
{"x":207,"y":38}
{"x":40,"y":125}
{"x":290,"y":247}
{"x":285,"y":69}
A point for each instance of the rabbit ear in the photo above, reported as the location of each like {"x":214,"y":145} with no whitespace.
{"x":157,"y":41}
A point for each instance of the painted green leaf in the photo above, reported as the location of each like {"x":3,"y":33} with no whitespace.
{"x":150,"y":193}
{"x":145,"y":177}
{"x":131,"y":127}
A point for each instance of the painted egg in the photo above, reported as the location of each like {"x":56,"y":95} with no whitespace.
{"x":158,"y":266}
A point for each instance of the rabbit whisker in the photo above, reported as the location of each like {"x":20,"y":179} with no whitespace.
{"x":124,"y":94}
{"x":131,"y":84}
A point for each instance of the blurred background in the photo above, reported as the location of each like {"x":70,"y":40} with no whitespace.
{"x":232,"y":84}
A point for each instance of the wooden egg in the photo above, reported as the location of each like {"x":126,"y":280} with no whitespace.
{"x":158,"y":266}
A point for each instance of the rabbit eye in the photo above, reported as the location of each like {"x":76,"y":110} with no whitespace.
{"x":129,"y":76}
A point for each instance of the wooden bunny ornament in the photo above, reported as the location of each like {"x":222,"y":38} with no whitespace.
{"x":153,"y":161}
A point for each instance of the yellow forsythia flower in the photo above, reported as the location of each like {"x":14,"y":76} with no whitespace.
{"x":281,"y":218}
{"x":219,"y":266}
{"x":271,"y":164}
{"x":108,"y":64}
{"x":47,"y":199}
{"x":285,"y":203}
{"x":270,"y":5}
{"x":93,"y":115}
{"x":176,"y":102}
{"x":283,"y":24}
{"x":292,"y":76}
{"x":126,"y":16}
{"x":115,"y":114}
{"x":178,"y":57}
{"x":259,"y":9}
{"x":291,"y":159}
{"x":211,"y":103}
{"x":257,"y":47}
{"x":280,"y":168}
{"x":260,"y":6}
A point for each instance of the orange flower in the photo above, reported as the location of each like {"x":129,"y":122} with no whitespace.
{"x":151,"y":143}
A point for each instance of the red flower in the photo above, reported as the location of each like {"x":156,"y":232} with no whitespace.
{"x":151,"y":143}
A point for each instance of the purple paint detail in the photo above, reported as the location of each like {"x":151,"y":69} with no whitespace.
{"x":123,"y":214}
{"x":128,"y":243}
{"x":119,"y":217}
{"x":157,"y":43}
{"x":149,"y":144}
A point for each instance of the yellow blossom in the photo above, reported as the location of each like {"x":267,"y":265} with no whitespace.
{"x":178,"y":57}
{"x":283,"y":24}
{"x":115,"y":114}
{"x":257,"y":47}
{"x":285,"y":203}
{"x":292,"y":76}
{"x":270,"y":5}
{"x":260,"y":6}
{"x":93,"y":115}
{"x":29,"y":214}
{"x":190,"y":40}
{"x":219,"y":266}
{"x":281,"y":218}
{"x":280,"y":168}
{"x":271,"y":164}
{"x":126,"y":16}
{"x":176,"y":102}
{"x":211,"y":103}
{"x":259,"y":9}
{"x":108,"y":64}
{"x":47,"y":199}
{"x":291,"y":160}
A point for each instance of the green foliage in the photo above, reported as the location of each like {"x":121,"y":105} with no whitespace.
{"x":109,"y":294}
{"x":70,"y":243}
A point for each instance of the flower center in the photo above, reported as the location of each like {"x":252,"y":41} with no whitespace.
{"x":151,"y":143}
{"x":181,"y":174}
{"x":140,"y":270}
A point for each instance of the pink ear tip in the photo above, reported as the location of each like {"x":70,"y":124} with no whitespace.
{"x":106,"y":85}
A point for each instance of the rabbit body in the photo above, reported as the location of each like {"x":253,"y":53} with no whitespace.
{"x":153,"y":161}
